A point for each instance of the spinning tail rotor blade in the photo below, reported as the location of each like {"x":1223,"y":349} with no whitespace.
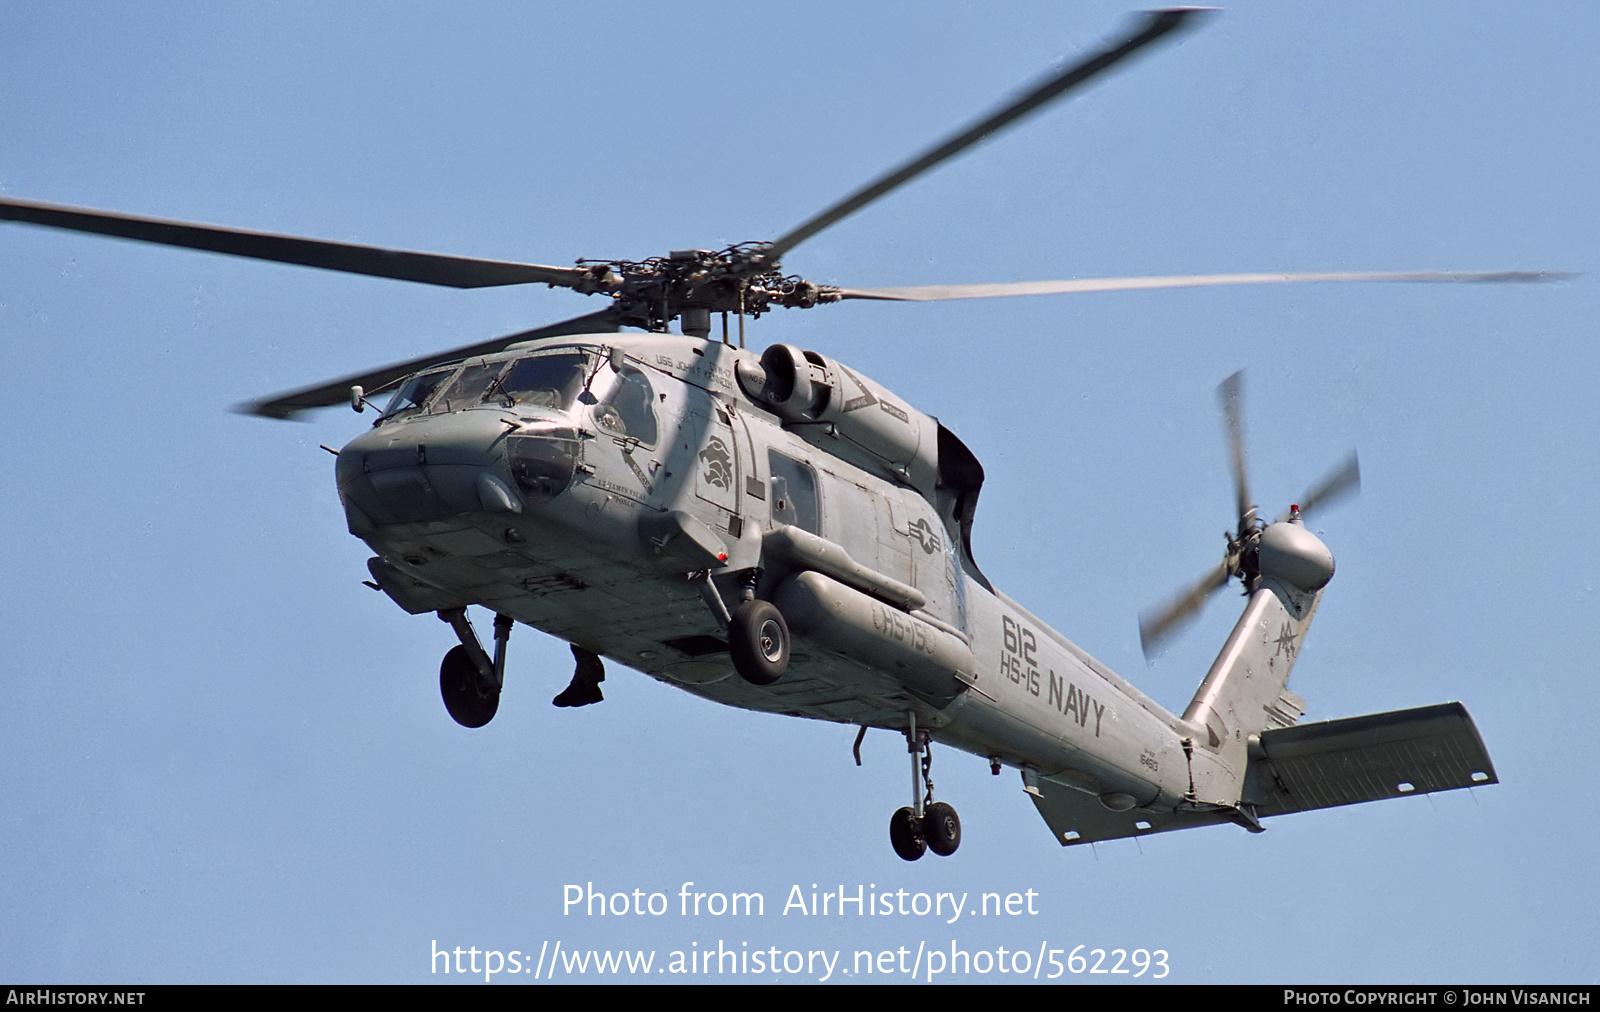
{"x":1157,"y":625}
{"x":1007,"y":289}
{"x":402,"y":265}
{"x":338,"y":391}
{"x":1154,"y":25}
{"x":1228,"y":392}
{"x":1344,"y":481}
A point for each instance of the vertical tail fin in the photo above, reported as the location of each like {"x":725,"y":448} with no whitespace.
{"x":1246,"y":691}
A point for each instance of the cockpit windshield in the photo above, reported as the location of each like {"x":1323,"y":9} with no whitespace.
{"x":467,"y":389}
{"x":548,"y":381}
{"x":414,"y":393}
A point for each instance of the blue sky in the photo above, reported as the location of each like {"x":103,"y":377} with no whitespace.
{"x":223,"y":759}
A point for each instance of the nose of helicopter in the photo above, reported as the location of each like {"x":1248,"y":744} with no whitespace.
{"x":437,"y":466}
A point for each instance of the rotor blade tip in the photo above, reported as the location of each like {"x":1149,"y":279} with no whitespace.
{"x":1148,"y":644}
{"x":1169,"y":18}
{"x":262,"y":409}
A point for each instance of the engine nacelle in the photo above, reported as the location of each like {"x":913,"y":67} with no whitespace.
{"x":795,"y":388}
{"x":820,"y":399}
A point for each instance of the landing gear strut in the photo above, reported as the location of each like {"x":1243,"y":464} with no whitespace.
{"x":925,"y":824}
{"x":469,"y":680}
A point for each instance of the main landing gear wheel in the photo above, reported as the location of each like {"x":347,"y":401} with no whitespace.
{"x":905,"y":833}
{"x":938,"y":828}
{"x":758,"y":641}
{"x":941,"y":828}
{"x":470,"y":698}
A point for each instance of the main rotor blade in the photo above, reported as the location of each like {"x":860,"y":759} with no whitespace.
{"x":1345,"y":480}
{"x":402,"y":265}
{"x":1155,"y":626}
{"x":1005,"y":289}
{"x":1228,"y":392}
{"x":1153,"y":25}
{"x":338,"y":391}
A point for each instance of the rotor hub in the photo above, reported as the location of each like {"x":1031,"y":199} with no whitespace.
{"x":740,"y":279}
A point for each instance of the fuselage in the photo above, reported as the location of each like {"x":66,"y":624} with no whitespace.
{"x":601,"y":488}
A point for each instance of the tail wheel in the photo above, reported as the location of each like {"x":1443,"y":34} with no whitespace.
{"x":758,"y":641}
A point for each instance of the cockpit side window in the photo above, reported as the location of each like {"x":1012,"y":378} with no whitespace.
{"x":546,"y":381}
{"x":629,"y":410}
{"x":794,"y":492}
{"x":414,"y":393}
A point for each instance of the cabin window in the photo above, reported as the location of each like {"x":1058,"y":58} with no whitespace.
{"x":629,"y":410}
{"x":794,"y":492}
{"x":546,"y":381}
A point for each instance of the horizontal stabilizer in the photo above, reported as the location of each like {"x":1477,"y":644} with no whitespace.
{"x":1298,"y":769}
{"x":1075,"y":817}
{"x":1381,"y":755}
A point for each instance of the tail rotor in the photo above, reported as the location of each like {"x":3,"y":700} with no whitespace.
{"x":1242,"y":555}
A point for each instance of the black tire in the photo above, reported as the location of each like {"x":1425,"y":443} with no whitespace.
{"x":941,"y":828}
{"x":906,"y":835}
{"x":469,"y":697}
{"x":758,"y":641}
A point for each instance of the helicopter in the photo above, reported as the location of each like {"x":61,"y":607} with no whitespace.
{"x":813,"y":554}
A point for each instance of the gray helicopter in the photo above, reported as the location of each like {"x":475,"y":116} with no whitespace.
{"x":778,"y":532}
